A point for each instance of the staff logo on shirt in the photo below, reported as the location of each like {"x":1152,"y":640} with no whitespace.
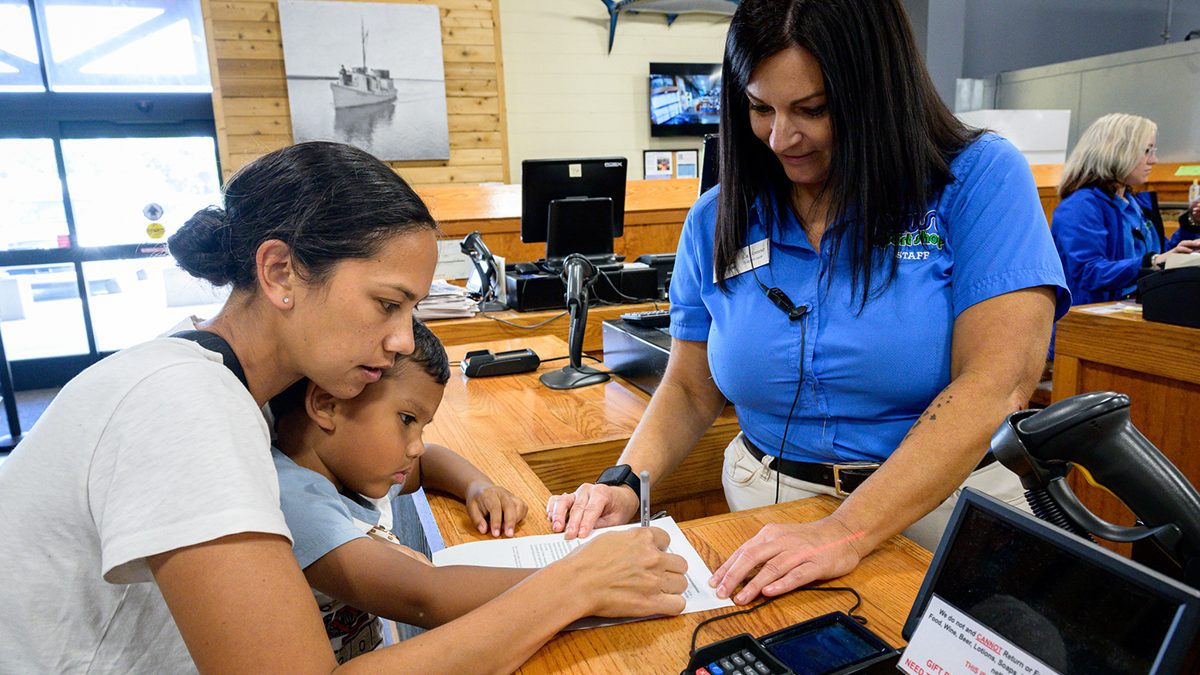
{"x":921,"y":239}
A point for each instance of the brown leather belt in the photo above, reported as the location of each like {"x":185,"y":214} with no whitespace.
{"x":843,"y":477}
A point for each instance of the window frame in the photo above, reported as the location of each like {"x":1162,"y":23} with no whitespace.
{"x":70,"y":115}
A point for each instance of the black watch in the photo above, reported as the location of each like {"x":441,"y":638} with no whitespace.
{"x":621,"y":474}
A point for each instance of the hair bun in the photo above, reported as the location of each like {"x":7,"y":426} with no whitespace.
{"x":201,"y":247}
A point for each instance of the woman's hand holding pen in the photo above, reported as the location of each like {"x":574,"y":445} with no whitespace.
{"x":790,"y":556}
{"x":589,"y":507}
{"x":494,"y":509}
{"x":628,"y":573}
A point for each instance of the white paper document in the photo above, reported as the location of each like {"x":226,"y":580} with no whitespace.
{"x":1173,"y":260}
{"x":540,"y":550}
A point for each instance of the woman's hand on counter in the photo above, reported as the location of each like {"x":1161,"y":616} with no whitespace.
{"x":790,"y":556}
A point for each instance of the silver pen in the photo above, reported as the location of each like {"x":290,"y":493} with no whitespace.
{"x":645,"y":498}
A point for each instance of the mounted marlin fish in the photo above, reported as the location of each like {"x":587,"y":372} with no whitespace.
{"x":671,"y":8}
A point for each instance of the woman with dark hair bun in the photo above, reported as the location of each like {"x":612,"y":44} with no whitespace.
{"x":872,"y":284}
{"x":140,"y":519}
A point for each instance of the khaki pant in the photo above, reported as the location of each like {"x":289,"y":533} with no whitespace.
{"x":749,"y":483}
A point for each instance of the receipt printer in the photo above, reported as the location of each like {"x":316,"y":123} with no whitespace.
{"x":1172,"y":296}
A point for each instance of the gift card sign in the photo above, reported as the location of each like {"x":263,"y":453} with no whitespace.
{"x":950,"y":642}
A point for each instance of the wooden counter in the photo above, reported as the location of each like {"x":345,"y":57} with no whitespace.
{"x":480,"y":328}
{"x":1154,"y":364}
{"x":526,"y":437}
{"x":888,"y":581}
{"x":654,"y":213}
{"x":537,"y":440}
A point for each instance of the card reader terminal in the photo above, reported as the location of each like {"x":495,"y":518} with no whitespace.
{"x":833,"y":644}
{"x":483,"y":363}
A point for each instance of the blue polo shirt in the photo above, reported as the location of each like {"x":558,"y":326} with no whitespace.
{"x":867,"y":375}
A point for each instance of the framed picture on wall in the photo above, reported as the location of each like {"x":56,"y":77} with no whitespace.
{"x":686,"y":163}
{"x":670,"y":163}
{"x":658,"y":164}
{"x":369,"y":74}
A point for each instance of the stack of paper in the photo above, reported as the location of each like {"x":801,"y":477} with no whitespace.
{"x":445,"y":301}
{"x":1174,"y":260}
{"x":540,"y":550}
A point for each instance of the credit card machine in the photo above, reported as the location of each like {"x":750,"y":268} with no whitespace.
{"x":833,"y":644}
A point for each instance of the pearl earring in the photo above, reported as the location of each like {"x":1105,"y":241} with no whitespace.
{"x":286,"y":300}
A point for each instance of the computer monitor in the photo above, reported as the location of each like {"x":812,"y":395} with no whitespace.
{"x":580,"y":225}
{"x":547,"y":180}
{"x":1073,"y":605}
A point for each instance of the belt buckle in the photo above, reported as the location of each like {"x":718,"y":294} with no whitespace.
{"x":837,"y":474}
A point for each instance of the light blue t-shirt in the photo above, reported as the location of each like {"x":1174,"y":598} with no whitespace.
{"x":869,"y":375}
{"x":322,"y":519}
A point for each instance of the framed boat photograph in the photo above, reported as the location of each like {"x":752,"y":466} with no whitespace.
{"x":368,"y":74}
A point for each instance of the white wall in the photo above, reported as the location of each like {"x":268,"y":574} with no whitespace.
{"x":1004,"y":35}
{"x":980,"y":38}
{"x":567,"y":97}
{"x":939,"y":27}
{"x":1156,"y":82}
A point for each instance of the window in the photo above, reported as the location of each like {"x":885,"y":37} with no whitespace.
{"x":31,"y":196}
{"x":117,"y":184}
{"x":130,"y":45}
{"x":20,"y":65}
{"x":107,"y":146}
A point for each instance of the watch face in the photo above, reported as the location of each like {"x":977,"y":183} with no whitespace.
{"x":614,"y":475}
{"x":621,"y":474}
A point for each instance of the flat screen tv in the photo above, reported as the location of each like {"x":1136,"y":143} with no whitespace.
{"x":684,"y":98}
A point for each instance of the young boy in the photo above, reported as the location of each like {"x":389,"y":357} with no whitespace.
{"x":340,"y":462}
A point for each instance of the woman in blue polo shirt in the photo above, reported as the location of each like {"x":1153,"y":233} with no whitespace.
{"x":872,"y":285}
{"x":1105,"y":233}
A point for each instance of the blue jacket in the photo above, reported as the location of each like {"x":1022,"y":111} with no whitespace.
{"x":1087,"y":232}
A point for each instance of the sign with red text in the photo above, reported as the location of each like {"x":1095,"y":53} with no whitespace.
{"x":950,"y":642}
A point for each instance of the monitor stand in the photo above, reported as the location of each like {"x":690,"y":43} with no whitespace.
{"x":569,"y":377}
{"x":491,"y":306}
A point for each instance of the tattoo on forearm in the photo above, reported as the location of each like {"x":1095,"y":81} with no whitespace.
{"x":931,"y":416}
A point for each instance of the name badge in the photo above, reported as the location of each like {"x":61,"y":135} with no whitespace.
{"x":748,"y":258}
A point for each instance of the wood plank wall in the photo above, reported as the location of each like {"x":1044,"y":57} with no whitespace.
{"x":250,"y":102}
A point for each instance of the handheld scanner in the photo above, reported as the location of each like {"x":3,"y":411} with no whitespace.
{"x":1093,"y":431}
{"x":577,"y":273}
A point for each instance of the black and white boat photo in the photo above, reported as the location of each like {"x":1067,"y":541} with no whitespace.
{"x":368,"y":74}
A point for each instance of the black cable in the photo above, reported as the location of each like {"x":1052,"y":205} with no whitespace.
{"x":799,"y":385}
{"x":521,"y":325}
{"x":626,"y":298}
{"x":862,"y":620}
{"x":560,"y":358}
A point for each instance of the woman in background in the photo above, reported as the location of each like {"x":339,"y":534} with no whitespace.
{"x":1105,"y":233}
